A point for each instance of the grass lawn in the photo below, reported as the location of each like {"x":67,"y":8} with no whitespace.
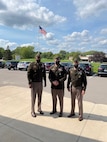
{"x":95,"y":66}
{"x":43,"y":60}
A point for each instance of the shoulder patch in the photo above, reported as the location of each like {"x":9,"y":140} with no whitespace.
{"x":53,"y":68}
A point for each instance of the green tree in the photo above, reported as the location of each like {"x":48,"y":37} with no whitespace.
{"x":48,"y":55}
{"x":62,"y":54}
{"x":98,"y":57}
{"x":25,"y":52}
{"x":7,"y":54}
{"x":89,"y":53}
{"x":75,"y":55}
{"x":1,"y":52}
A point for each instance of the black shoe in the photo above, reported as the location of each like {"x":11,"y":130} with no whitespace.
{"x":80,"y":118}
{"x":53,"y":112}
{"x":60,"y":114}
{"x":71,"y":115}
{"x":33,"y":114}
{"x":41,"y":112}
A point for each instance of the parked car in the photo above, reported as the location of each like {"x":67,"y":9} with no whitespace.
{"x":67,"y":65}
{"x":23,"y":65}
{"x":102,"y":70}
{"x":86,"y":66}
{"x":48,"y":65}
{"x":11,"y":65}
{"x":2,"y":64}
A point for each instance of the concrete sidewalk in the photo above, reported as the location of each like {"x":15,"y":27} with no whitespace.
{"x":17,"y":125}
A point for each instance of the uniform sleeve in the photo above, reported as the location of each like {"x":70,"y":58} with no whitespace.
{"x":64,"y":75}
{"x":29,"y":73}
{"x":84,"y":82}
{"x":44,"y":74}
{"x":50,"y":76}
{"x":69,"y":80}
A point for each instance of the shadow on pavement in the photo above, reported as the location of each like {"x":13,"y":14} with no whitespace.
{"x":88,"y":116}
{"x":12,"y":130}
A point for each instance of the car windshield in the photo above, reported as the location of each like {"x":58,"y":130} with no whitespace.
{"x":13,"y":62}
{"x":49,"y":64}
{"x":84,"y":65}
{"x":1,"y":62}
{"x":66,"y":64}
{"x":24,"y":62}
{"x":104,"y":66}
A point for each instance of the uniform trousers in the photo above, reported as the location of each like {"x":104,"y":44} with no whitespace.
{"x":76,"y":93}
{"x":60,"y":94}
{"x":36,"y":89}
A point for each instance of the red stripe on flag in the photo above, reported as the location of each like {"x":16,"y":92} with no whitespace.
{"x":42,"y":31}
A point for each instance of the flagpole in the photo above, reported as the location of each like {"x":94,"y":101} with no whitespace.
{"x":41,"y":31}
{"x":37,"y":38}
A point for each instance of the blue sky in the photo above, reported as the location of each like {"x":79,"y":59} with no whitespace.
{"x":71,"y":25}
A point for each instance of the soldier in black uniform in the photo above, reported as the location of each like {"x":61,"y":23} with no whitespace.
{"x":57,"y":76}
{"x":36,"y":74}
{"x":77,"y":79}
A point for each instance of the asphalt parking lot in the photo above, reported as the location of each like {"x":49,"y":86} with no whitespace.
{"x":96,"y":89}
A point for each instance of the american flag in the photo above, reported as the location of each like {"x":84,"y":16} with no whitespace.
{"x":42,"y":31}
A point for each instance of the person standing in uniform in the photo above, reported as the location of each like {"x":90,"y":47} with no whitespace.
{"x":77,"y":79}
{"x":57,"y":76}
{"x":36,"y":74}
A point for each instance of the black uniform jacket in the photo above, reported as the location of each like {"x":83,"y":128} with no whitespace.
{"x":77,"y":78}
{"x":36,"y":72}
{"x":57,"y":73}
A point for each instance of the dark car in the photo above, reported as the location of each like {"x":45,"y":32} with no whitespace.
{"x":102,"y":70}
{"x":12,"y":65}
{"x":2,"y":64}
{"x":48,"y":65}
{"x":86,"y":66}
{"x":67,"y":65}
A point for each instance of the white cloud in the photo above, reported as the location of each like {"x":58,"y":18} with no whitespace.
{"x":2,"y":5}
{"x":90,"y":8}
{"x":26,"y":14}
{"x":78,"y":36}
{"x":53,"y":42}
{"x":98,"y":43}
{"x":104,"y":31}
{"x":49,"y":36}
{"x":29,"y":44}
{"x":83,"y":41}
{"x":103,"y":42}
{"x":5,"y":43}
{"x":49,"y":39}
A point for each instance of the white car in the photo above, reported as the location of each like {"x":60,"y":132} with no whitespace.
{"x":23,"y":65}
